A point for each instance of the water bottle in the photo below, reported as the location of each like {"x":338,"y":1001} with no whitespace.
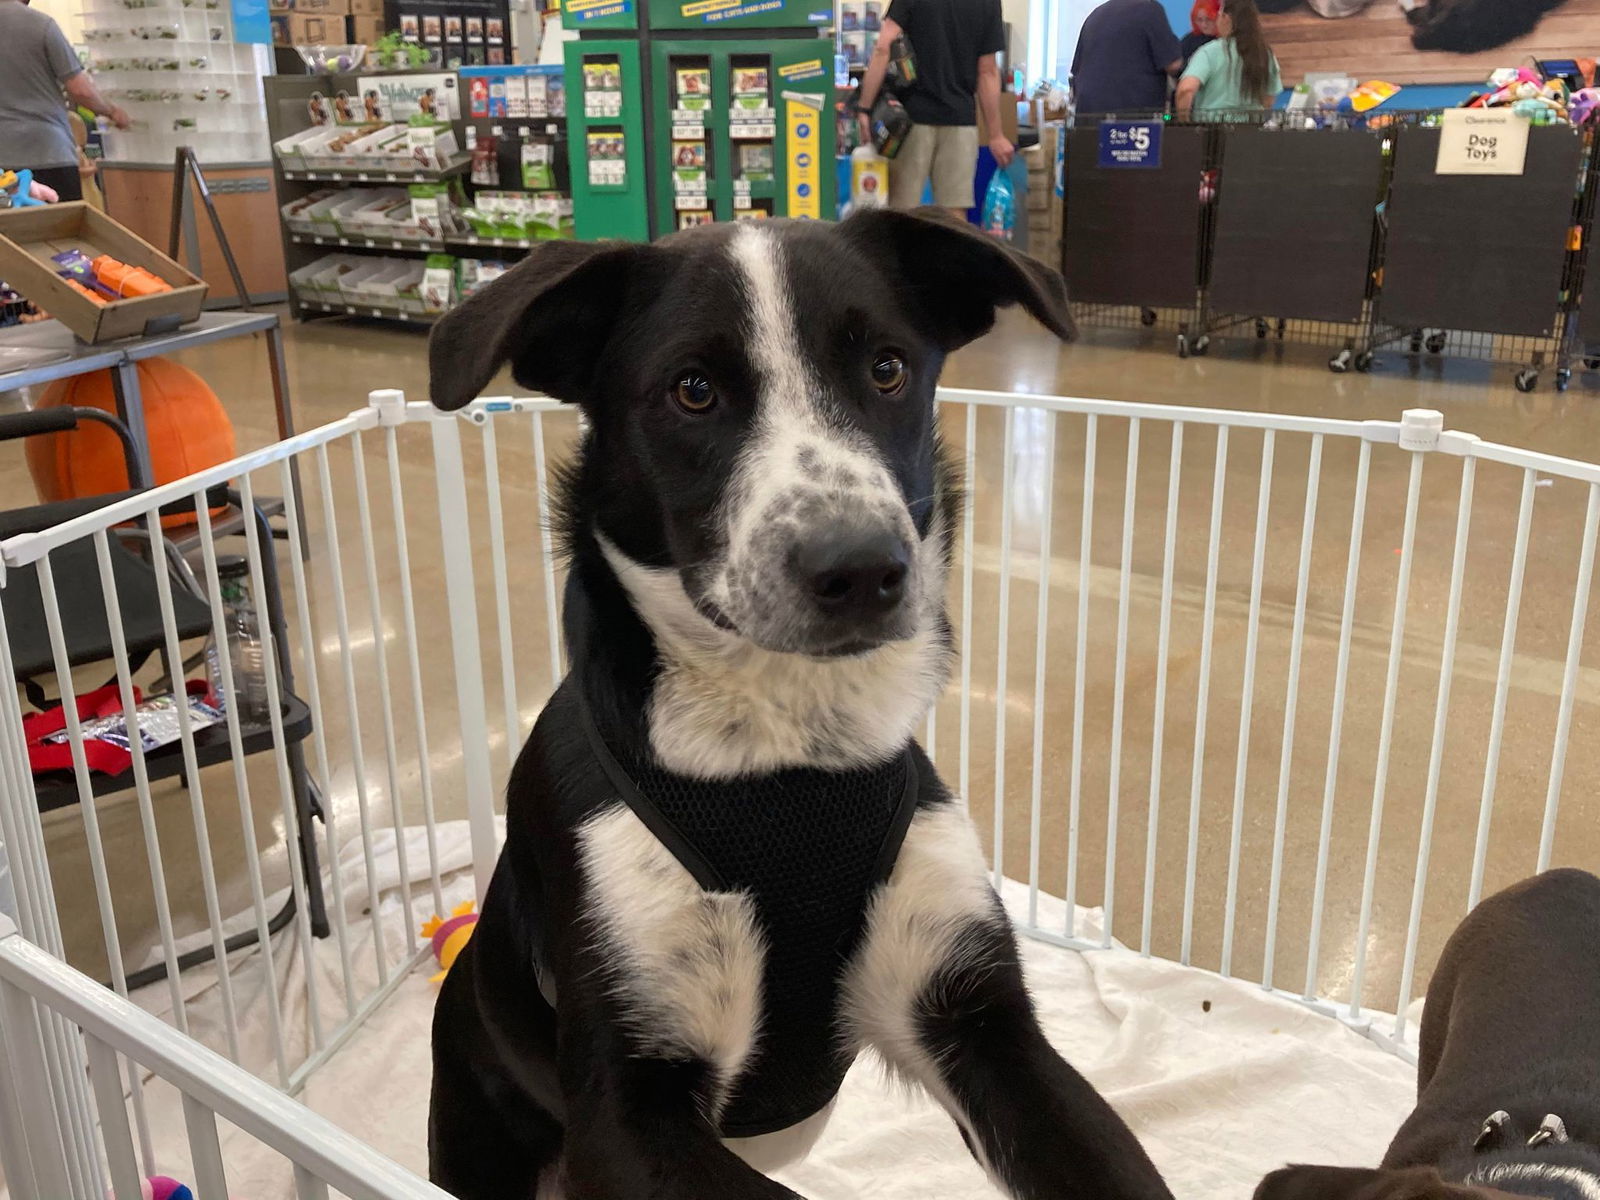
{"x":244,"y":643}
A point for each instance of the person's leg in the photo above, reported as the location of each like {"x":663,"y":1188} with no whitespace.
{"x":955,"y":166}
{"x":908,"y":170}
{"x":66,"y":181}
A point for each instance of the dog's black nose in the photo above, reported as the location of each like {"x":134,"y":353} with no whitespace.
{"x":855,"y":575}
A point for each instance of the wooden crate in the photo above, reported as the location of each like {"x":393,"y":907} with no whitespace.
{"x":29,"y":236}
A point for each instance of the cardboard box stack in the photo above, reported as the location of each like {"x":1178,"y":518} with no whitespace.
{"x":1045,"y":206}
{"x":327,"y":22}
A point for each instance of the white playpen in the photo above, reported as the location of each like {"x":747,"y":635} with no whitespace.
{"x":1273,"y":698}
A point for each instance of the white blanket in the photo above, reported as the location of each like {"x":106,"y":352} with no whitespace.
{"x":1219,"y":1094}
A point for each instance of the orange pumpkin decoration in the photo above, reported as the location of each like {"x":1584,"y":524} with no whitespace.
{"x":187,"y":428}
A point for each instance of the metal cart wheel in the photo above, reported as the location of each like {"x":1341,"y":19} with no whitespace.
{"x":1416,"y":342}
{"x":1435,"y":343}
{"x":1147,"y":316}
{"x":1340,"y":362}
{"x":1563,"y":378}
{"x":1183,"y":345}
{"x":1363,"y":361}
{"x":1261,"y":327}
{"x":1527,"y":379}
{"x":1201,"y":345}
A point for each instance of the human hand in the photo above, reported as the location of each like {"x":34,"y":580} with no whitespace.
{"x":864,"y":128}
{"x":1003,"y":150}
{"x":119,"y":117}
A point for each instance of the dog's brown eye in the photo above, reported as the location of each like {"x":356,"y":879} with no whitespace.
{"x":693,"y":392}
{"x":889,"y":373}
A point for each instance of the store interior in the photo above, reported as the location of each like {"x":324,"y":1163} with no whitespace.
{"x":308,"y":186}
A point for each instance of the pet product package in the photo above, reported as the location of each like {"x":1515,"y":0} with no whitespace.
{"x":538,"y":165}
{"x":438,"y":283}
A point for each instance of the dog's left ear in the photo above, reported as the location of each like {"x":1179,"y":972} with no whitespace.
{"x":957,"y":275}
{"x":550,"y":315}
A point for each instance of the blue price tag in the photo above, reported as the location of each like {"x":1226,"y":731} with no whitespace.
{"x":1130,"y":143}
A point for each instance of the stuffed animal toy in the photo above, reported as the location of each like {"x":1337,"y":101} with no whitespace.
{"x":449,"y":935}
{"x":159,"y":1187}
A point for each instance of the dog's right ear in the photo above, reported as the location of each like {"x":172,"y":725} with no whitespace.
{"x":550,"y":315}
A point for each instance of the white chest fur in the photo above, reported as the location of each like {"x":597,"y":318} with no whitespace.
{"x":686,"y":963}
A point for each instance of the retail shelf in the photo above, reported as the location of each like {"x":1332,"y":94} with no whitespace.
{"x":473,"y":241}
{"x":368,"y":310}
{"x":403,"y":245}
{"x":351,"y":175}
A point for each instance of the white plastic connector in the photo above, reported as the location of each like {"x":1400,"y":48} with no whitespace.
{"x":1420,"y":429}
{"x":390,"y":404}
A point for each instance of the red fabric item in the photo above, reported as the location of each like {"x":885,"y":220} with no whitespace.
{"x":100,"y":756}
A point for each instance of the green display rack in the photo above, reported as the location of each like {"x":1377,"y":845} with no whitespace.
{"x":708,"y":110}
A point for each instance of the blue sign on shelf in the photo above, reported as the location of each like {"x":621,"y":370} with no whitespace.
{"x":1130,"y":143}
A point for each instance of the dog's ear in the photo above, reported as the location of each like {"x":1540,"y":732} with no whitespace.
{"x":957,"y":275}
{"x":1363,"y":1183}
{"x":550,"y":315}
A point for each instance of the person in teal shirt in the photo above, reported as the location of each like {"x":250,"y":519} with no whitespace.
{"x":1235,"y":73}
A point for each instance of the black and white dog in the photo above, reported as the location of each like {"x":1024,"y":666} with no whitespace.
{"x":728,"y":867}
{"x":1508,"y":1062}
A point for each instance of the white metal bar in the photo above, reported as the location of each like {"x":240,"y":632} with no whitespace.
{"x":205,"y":1151}
{"x":231,"y":1092}
{"x":1391,"y":685}
{"x":1381,"y":431}
{"x":307,"y":1186}
{"x":358,"y":762}
{"x":552,"y":614}
{"x":1341,"y":676}
{"x":1291,"y":702}
{"x":43,"y":1122}
{"x":391,"y":753}
{"x":1003,"y":648}
{"x":1502,"y":686}
{"x":241,"y":779}
{"x":502,"y":594}
{"x":1091,"y":431}
{"x":1569,"y":680}
{"x":27,"y":547}
{"x":1441,"y":714}
{"x":408,"y":617}
{"x":1219,"y":481}
{"x":18,"y":1163}
{"x":197,"y":807}
{"x":105,"y":1074}
{"x":1246,"y":700}
{"x":1158,"y":728}
{"x":141,"y":780}
{"x":308,"y":680}
{"x":968,"y":521}
{"x":286,"y":783}
{"x":465,"y":645}
{"x":88,"y":810}
{"x":1041,"y":638}
{"x":1130,"y":496}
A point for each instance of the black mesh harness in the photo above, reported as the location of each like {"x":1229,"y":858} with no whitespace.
{"x":808,"y":847}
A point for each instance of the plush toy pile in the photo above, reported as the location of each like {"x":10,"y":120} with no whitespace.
{"x":1542,"y":101}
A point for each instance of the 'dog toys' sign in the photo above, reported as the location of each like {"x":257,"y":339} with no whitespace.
{"x":1481,"y":141}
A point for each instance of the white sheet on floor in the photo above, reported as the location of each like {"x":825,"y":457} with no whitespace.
{"x":1218,"y":1096}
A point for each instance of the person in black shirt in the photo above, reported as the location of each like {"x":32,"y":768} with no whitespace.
{"x":1126,"y":54}
{"x":954,"y":43}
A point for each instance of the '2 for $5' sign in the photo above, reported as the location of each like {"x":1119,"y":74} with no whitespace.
{"x":1481,"y":141}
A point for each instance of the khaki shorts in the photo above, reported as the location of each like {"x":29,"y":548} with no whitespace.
{"x":948,"y":154}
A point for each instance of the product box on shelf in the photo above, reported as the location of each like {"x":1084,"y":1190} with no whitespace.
{"x":365,"y":30}
{"x":314,"y":29}
{"x":366,"y":8}
{"x":327,"y":8}
{"x":29,"y":237}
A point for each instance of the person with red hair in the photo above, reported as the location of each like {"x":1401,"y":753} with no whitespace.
{"x":1202,"y":27}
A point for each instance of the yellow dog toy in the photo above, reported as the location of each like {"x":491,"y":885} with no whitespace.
{"x":449,"y":935}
